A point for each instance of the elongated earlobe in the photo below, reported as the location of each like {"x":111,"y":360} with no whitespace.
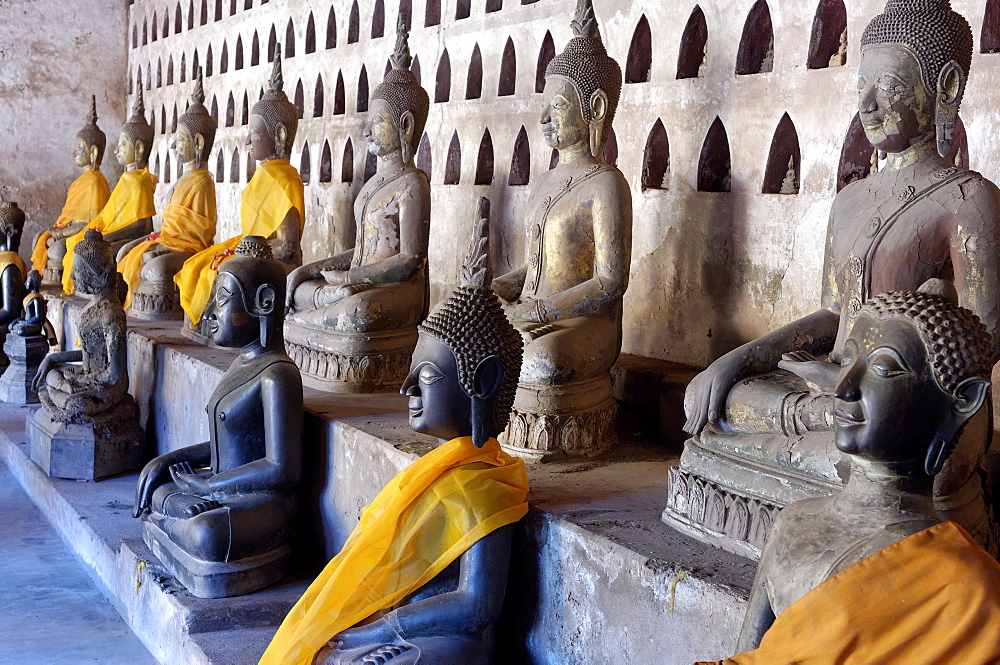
{"x":950,"y":88}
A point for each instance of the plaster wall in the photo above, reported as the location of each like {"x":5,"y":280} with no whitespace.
{"x":709,"y":270}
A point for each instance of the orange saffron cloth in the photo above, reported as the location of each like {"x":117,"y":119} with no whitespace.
{"x":188,"y":225}
{"x":85,"y":199}
{"x":131,"y":200}
{"x":274,"y":190}
{"x":425,"y":518}
{"x":931,"y":598}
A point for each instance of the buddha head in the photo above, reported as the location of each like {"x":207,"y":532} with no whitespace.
{"x":94,"y":266}
{"x":11,"y":226}
{"x":245,"y":307}
{"x":399,"y":106}
{"x":195,"y":129}
{"x":90,"y":141}
{"x":465,"y":367}
{"x":916,"y":369}
{"x":33,"y":282}
{"x":136,"y":138}
{"x":274,"y":120}
{"x":582,"y":88}
{"x":915,"y":59}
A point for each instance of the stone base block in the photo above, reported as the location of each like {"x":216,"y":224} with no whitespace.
{"x":217,"y":579}
{"x":351,"y":363}
{"x":575,"y":419}
{"x":156,"y":301}
{"x":52,"y":276}
{"x":82,"y":452}
{"x":25,"y":354}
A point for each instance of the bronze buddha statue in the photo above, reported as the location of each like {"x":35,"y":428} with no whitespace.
{"x":220,"y":515}
{"x":13,"y":272}
{"x":26,"y":345}
{"x":761,"y":416}
{"x":352,"y":318}
{"x":566,"y":299}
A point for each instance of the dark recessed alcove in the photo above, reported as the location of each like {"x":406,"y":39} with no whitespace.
{"x":640,"y":53}
{"x":453,"y":164}
{"x":756,"y":52}
{"x":520,"y":161}
{"x":829,"y":26}
{"x":714,"y":163}
{"x":484,"y":161}
{"x":782,"y":174}
{"x":656,"y":158}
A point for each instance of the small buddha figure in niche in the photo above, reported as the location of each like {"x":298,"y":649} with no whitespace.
{"x":762,"y":414}
{"x":360,"y":309}
{"x":433,"y":548}
{"x":129,"y":211}
{"x":220,"y":515}
{"x":273,"y":203}
{"x":149,"y":264}
{"x":12,"y":268}
{"x":35,"y":320}
{"x":566,"y":298}
{"x":85,"y":199}
{"x":872,"y":574}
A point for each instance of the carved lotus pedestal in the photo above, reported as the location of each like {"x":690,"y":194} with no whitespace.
{"x":156,"y":301}
{"x":351,"y":362}
{"x":576,"y":419}
{"x":87,"y":448}
{"x":25,"y":355}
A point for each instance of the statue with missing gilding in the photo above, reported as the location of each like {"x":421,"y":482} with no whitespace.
{"x":26,"y":345}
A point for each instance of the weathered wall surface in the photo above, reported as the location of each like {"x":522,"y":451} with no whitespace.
{"x":53,"y":56}
{"x":709,"y":270}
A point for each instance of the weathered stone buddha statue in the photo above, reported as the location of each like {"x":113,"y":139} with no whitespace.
{"x":26,"y":345}
{"x":129,"y":212}
{"x":220,"y":515}
{"x":566,"y":298}
{"x":88,"y":427}
{"x":188,"y":226}
{"x":273,"y":202}
{"x":872,"y":574}
{"x":352,"y":321}
{"x":85,"y":199}
{"x":422,"y":577}
{"x":761,"y":416}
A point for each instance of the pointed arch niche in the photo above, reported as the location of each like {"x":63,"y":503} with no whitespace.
{"x":331,"y":29}
{"x":326,"y":163}
{"x":989,"y":38}
{"x":220,"y":167}
{"x":611,"y":149}
{"x":311,"y":34}
{"x":305,"y":164}
{"x":640,"y":53}
{"x":318,"y":97}
{"x":508,"y":70}
{"x":432,"y":13}
{"x":829,"y":31}
{"x":378,"y":19}
{"x":339,"y":96}
{"x":782,"y":175}
{"x":474,"y":80}
{"x":656,"y":158}
{"x":442,"y":87}
{"x":354,"y":24}
{"x":855,"y":155}
{"x":714,"y":164}
{"x":756,"y":54}
{"x":694,"y":43}
{"x":424,"y":157}
{"x":362,"y":105}
{"x":347,"y":162}
{"x":234,"y":167}
{"x":545,"y":54}
{"x":484,"y":163}
{"x":453,"y":165}
{"x":520,"y":162}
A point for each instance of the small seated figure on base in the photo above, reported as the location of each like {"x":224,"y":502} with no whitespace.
{"x":352,"y":320}
{"x":220,"y":515}
{"x":872,"y":574}
{"x":422,"y":578}
{"x":35,"y":320}
{"x":149,"y":264}
{"x":26,"y":346}
{"x":85,"y":199}
{"x":89,"y":426}
{"x":12,"y":269}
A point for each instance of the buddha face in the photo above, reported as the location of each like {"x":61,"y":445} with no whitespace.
{"x":261,"y":142}
{"x":438,"y":404}
{"x":126,"y":151}
{"x":83,"y":154}
{"x":563,"y":123}
{"x":228,"y":321}
{"x":895,"y":106}
{"x":381,"y":131}
{"x":184,"y":145}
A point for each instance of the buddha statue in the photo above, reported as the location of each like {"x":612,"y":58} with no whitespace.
{"x":85,"y":199}
{"x":129,"y":211}
{"x":26,"y":345}
{"x":761,"y":416}
{"x":35,"y":320}
{"x":220,"y":515}
{"x":88,"y":427}
{"x":273,"y":203}
{"x":566,"y":298}
{"x":188,"y":226}
{"x":352,"y":318}
{"x":12,"y":268}
{"x":422,"y":577}
{"x":872,"y":574}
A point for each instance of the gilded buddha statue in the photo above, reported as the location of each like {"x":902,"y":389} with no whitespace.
{"x":273,"y":204}
{"x":188,"y":226}
{"x":220,"y":515}
{"x":128,"y":214}
{"x":761,"y":416}
{"x":433,"y":547}
{"x":352,"y":318}
{"x":566,"y":299}
{"x":85,"y":199}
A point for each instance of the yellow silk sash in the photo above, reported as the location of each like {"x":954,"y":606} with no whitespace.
{"x":13,"y":259}
{"x":131,"y":200}
{"x":85,"y":198}
{"x":933,"y":597}
{"x":188,"y":225}
{"x":274,"y":190}
{"x":425,"y":518}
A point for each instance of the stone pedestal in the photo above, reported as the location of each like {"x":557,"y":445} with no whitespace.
{"x":25,"y":355}
{"x":52,"y":276}
{"x":107,"y":445}
{"x":351,"y":362}
{"x":574,"y":419}
{"x":156,"y":301}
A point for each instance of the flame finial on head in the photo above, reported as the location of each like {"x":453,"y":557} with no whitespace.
{"x":584,"y":23}
{"x":401,"y":55}
{"x":91,"y":118}
{"x":476,"y":267}
{"x":276,"y":84}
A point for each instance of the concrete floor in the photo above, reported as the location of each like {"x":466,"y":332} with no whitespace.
{"x":50,"y":610}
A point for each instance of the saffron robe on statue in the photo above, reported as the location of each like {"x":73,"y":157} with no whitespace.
{"x":85,"y":199}
{"x":188,"y":225}
{"x":274,"y":190}
{"x":424,"y":519}
{"x":932,"y":598}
